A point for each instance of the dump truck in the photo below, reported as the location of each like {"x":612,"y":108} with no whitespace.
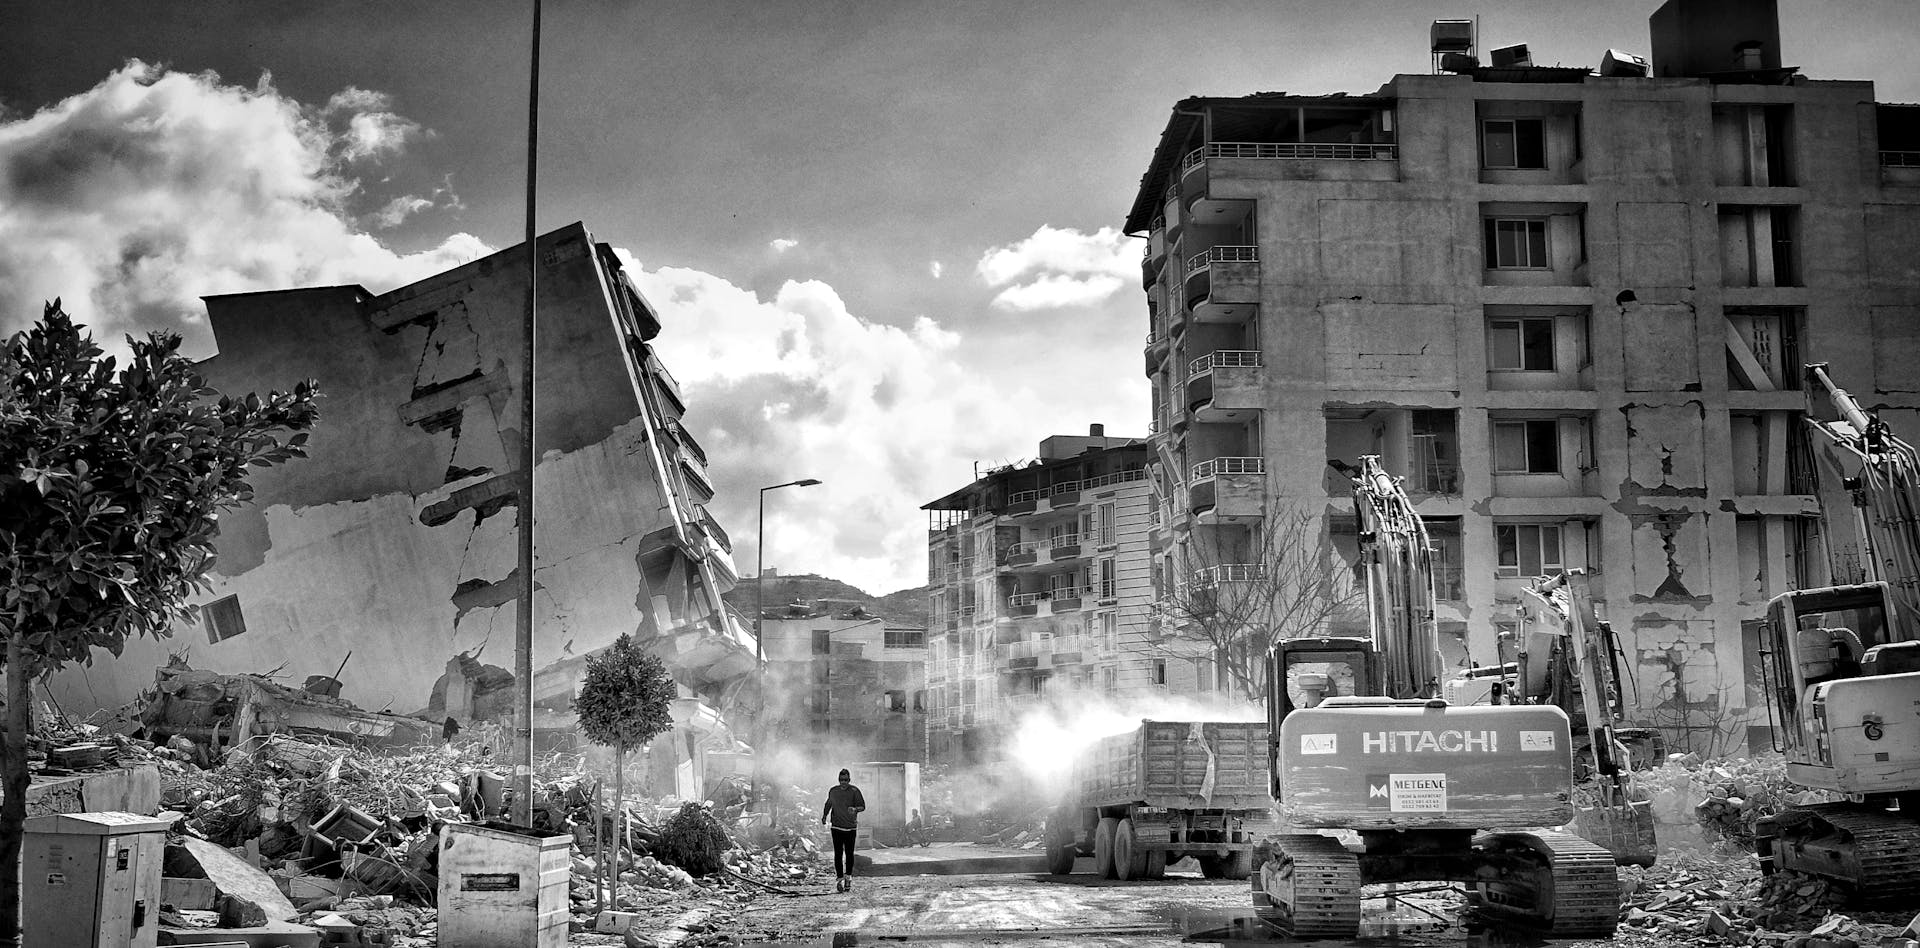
{"x":1141,"y":800}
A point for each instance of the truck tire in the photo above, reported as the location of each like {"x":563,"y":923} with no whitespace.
{"x":1156,"y":865}
{"x":1103,"y":847}
{"x":1240,"y":864}
{"x":1129,"y":860}
{"x":1213,"y":866}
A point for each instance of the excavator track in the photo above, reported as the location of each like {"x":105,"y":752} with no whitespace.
{"x":1310,"y":884}
{"x":1573,"y":891}
{"x":1875,"y":853}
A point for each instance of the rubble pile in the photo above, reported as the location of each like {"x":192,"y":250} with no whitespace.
{"x":349,"y":835}
{"x":1724,"y":796}
{"x":1722,"y":899}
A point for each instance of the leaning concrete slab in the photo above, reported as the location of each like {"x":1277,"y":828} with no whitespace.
{"x":128,"y":789}
{"x":234,"y":876}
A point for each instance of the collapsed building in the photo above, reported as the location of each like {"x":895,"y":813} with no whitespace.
{"x":383,"y":567}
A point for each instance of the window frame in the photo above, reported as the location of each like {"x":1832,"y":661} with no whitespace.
{"x":1519,"y":327}
{"x":1517,"y":569}
{"x":1490,"y":243}
{"x":1529,"y":431}
{"x":1514,"y":125}
{"x":223,"y":619}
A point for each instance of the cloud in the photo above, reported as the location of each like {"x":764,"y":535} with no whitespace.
{"x":936,"y":268}
{"x":137,"y":197}
{"x":399,"y":209}
{"x":1058,"y":267}
{"x":795,"y":385}
{"x":782,"y":244}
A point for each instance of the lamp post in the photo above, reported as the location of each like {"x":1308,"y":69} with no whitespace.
{"x":759,"y":640}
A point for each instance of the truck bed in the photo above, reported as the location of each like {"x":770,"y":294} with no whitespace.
{"x":1178,"y":764}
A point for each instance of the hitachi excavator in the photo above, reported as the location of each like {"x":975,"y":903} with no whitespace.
{"x":1563,"y":654}
{"x":1363,"y":741}
{"x":1842,"y":670}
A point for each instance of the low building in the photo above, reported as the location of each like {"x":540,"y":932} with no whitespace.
{"x":844,"y":684}
{"x":391,"y":550}
{"x":1043,"y":589}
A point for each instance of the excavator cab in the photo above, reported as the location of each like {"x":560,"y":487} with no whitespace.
{"x":1838,"y":674}
{"x":1302,"y":673}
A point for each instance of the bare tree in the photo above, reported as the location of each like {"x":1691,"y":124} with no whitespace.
{"x":1238,"y":589}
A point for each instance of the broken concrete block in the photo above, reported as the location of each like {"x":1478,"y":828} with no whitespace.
{"x":615,"y":923}
{"x":1913,"y":929}
{"x":270,"y":935}
{"x":1716,"y":923}
{"x":233,"y":877}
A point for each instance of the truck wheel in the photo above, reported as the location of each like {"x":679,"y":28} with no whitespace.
{"x":1240,"y":864}
{"x":1103,"y":847}
{"x":1129,"y":860}
{"x":1211,"y":866}
{"x":1156,"y":865}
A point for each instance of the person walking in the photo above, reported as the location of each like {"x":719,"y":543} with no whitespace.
{"x":843,"y":807}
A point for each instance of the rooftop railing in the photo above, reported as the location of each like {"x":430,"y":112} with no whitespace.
{"x":1335,"y":151}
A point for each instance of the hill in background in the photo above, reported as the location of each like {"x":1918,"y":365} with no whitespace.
{"x":907,"y":607}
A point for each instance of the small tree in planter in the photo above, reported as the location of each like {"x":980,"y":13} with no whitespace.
{"x":112,"y":480}
{"x":625,"y":701}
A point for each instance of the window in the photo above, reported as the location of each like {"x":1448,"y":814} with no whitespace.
{"x":1526,"y":447}
{"x":223,"y":619}
{"x":822,"y":642}
{"x":1061,"y":585}
{"x":1528,"y":549}
{"x":920,"y":700}
{"x":1109,"y":580}
{"x":1516,"y":243}
{"x":821,"y":701}
{"x":904,"y":638}
{"x":1110,"y":630}
{"x":1513,"y":143}
{"x":1520,"y":345}
{"x":1109,"y":679}
{"x":820,"y":725}
{"x":896,"y":701}
{"x":1160,"y":671}
{"x":1103,"y":524}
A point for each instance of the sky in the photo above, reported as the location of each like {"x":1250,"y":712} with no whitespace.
{"x":883,"y":237}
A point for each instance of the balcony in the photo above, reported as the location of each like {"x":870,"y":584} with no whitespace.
{"x":1047,"y":601}
{"x":1064,"y":547}
{"x":1225,"y":385}
{"x":1020,"y":554}
{"x":1225,"y":274}
{"x":1228,"y":490}
{"x":1154,"y":254}
{"x":1363,"y":161}
{"x":1022,"y":502}
{"x":1225,"y":573}
{"x":1156,"y":352}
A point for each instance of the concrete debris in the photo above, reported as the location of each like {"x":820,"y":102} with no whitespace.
{"x":1722,"y":899}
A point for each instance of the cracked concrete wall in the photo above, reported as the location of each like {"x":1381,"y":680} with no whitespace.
{"x":1685,"y":540}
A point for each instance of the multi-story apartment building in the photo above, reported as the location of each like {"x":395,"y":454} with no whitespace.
{"x":1569,"y":306}
{"x":1043,"y":593}
{"x":393,"y":542}
{"x":844,"y":685}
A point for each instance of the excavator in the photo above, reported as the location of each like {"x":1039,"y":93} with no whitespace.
{"x":1563,"y":654}
{"x":1362,"y":740}
{"x":1842,"y":676}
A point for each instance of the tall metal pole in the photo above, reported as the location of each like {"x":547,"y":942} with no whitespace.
{"x":760,"y":726}
{"x":523,"y":627}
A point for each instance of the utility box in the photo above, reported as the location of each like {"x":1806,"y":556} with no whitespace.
{"x":503,"y":886}
{"x":92,"y":880}
{"x":892,"y":792}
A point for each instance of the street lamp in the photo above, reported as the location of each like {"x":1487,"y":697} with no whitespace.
{"x":759,"y":649}
{"x":760,"y":568}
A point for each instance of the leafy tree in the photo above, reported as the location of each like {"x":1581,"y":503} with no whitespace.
{"x":625,"y":701}
{"x":1241,"y":591}
{"x":111,"y":483}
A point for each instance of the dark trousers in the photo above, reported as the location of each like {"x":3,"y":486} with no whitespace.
{"x":843,"y":843}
